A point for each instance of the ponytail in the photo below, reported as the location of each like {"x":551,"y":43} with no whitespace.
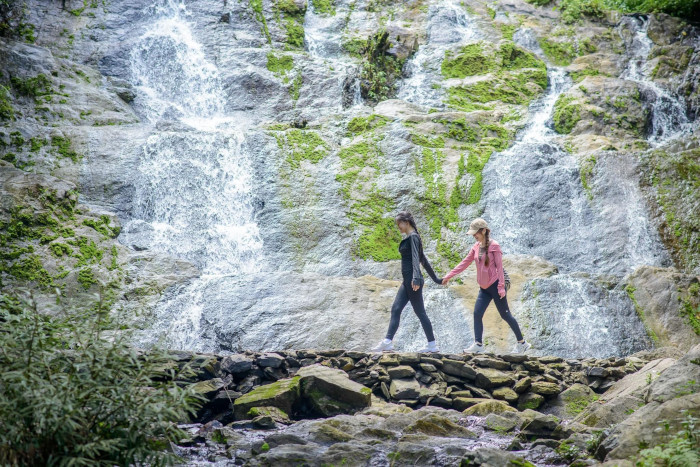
{"x":486,"y":245}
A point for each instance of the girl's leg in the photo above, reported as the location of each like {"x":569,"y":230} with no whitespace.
{"x":416,"y":299}
{"x":482,"y":302}
{"x":504,"y":311}
{"x":399,"y":304}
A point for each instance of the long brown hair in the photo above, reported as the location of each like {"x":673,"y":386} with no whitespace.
{"x":486,"y":245}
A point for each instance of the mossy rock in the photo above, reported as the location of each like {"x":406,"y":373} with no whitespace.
{"x":283,"y":394}
{"x":435,"y":425}
{"x":487,"y":407}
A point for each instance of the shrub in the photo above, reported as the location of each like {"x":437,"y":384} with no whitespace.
{"x":72,"y":395}
{"x":681,"y":450}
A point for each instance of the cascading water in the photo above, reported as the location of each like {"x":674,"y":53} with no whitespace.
{"x":669,"y":119}
{"x":537,"y":203}
{"x":193,"y":196}
{"x":448,"y":26}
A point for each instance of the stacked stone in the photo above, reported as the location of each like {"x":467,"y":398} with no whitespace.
{"x":456,"y":381}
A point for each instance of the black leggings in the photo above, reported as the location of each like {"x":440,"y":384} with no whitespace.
{"x":482,"y":302}
{"x":403,"y":296}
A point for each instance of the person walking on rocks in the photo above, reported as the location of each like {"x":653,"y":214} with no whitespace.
{"x":486,"y":253}
{"x":411,"y":289}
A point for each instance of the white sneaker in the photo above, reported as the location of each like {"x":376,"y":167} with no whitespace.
{"x":521,"y":347}
{"x":386,"y":344}
{"x":475,"y":348}
{"x":431,"y":348}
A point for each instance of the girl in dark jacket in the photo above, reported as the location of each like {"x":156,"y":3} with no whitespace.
{"x":411,"y":290}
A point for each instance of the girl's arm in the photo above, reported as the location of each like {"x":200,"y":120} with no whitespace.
{"x":498,"y":262}
{"x":429,"y":269}
{"x":415,"y":260}
{"x":461,"y":266}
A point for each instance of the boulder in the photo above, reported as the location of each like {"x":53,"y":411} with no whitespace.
{"x":505,"y":394}
{"x":573,"y":401}
{"x":489,"y":378}
{"x":401,"y":371}
{"x":650,"y":425}
{"x":236,"y":364}
{"x":271,"y":360}
{"x":530,"y":400}
{"x":491,"y":406}
{"x":283,"y":394}
{"x":436,"y":425}
{"x":457,"y":368}
{"x":463,"y":403}
{"x":541,"y":426}
{"x":330,"y":392}
{"x":209,"y":387}
{"x":487,"y":362}
{"x":545,"y":388}
{"x":522,"y":385}
{"x":273,"y":413}
{"x":498,"y":423}
{"x":404,"y":389}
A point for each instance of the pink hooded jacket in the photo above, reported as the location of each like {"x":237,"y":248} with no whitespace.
{"x":485,"y":275}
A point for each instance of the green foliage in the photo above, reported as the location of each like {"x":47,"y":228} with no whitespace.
{"x":380,"y":70}
{"x":469,"y":61}
{"x":40,"y":85}
{"x":355,"y":46}
{"x":295,"y":87}
{"x":368,"y":205}
{"x":427,"y":141}
{"x":257,"y":7}
{"x":302,"y":145}
{"x":681,"y":450}
{"x":72,"y":396}
{"x":573,"y":10}
{"x":279,"y":64}
{"x":640,"y":312}
{"x":507,"y":30}
{"x":7,"y":112}
{"x":690,"y":308}
{"x":579,"y":75}
{"x":360,"y":125}
{"x":586,"y":172}
{"x":539,"y":2}
{"x":102,"y":226}
{"x":324,"y":7}
{"x":64,"y":148}
{"x":434,"y":201}
{"x":13,"y":16}
{"x":291,"y":17}
{"x":566,"y":114}
{"x":559,"y":52}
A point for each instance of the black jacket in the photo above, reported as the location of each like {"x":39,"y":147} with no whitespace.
{"x":411,"y":249}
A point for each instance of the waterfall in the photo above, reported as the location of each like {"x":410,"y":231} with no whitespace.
{"x":669,"y":119}
{"x":448,"y":26}
{"x":193,"y":196}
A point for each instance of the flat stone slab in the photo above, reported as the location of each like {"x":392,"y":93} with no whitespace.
{"x":283,"y":394}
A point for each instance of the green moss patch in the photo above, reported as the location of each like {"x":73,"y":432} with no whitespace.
{"x":257,"y":7}
{"x":567,"y":112}
{"x":359,"y":125}
{"x":7,"y":112}
{"x":324,"y":7}
{"x":301,"y":145}
{"x":291,"y":17}
{"x":469,"y":61}
{"x":279,"y":64}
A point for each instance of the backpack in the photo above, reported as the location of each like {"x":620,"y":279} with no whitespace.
{"x":506,"y":279}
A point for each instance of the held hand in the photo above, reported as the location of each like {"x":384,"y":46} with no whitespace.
{"x":502,"y":294}
{"x":445,"y":281}
{"x":414,"y":286}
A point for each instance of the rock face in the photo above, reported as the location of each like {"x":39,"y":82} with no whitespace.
{"x":235,"y":104}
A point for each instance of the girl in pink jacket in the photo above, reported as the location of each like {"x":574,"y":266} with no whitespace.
{"x":486,"y":253}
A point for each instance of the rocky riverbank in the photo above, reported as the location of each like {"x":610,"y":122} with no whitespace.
{"x":353,"y":408}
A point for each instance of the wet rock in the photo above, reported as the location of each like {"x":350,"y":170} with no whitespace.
{"x":459,"y":369}
{"x":522,"y":385}
{"x":271,"y":360}
{"x":530,"y":400}
{"x":505,"y":394}
{"x":330,"y":392}
{"x":208,"y":388}
{"x":401,"y":371}
{"x":283,"y":394}
{"x":236,"y":364}
{"x":545,"y":388}
{"x":491,"y":363}
{"x":463,"y":403}
{"x":497,"y":423}
{"x":540,"y":426}
{"x":436,"y":425}
{"x":572,"y":401}
{"x":404,"y":389}
{"x":279,"y":439}
{"x":489,"y":378}
{"x":486,"y":407}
